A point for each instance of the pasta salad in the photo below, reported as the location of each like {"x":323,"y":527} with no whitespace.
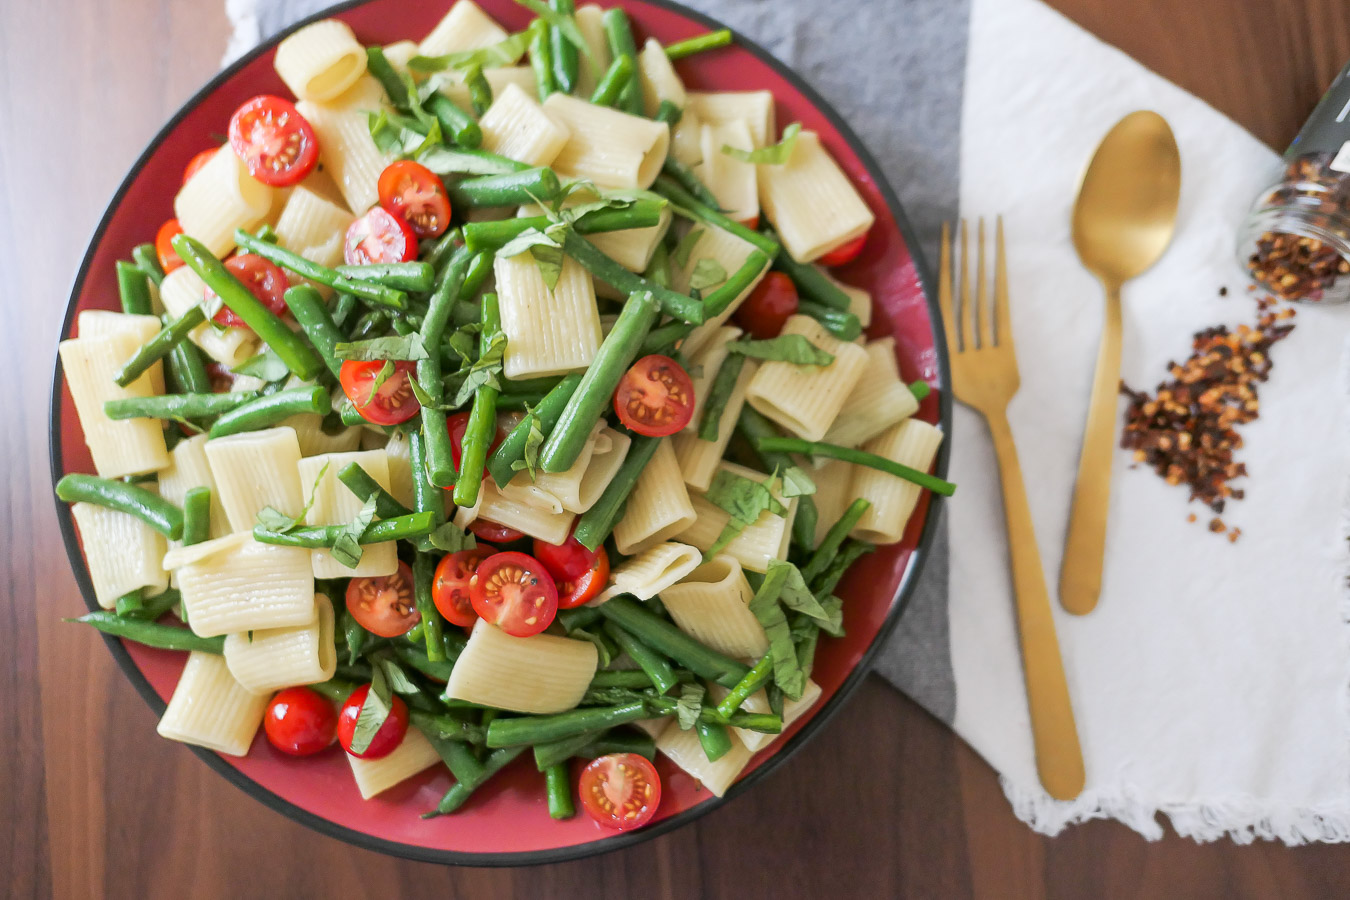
{"x":493,"y":398}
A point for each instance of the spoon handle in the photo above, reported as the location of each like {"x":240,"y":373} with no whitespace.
{"x":1080,"y":575}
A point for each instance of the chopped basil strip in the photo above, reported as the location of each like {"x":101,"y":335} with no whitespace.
{"x":406,"y":347}
{"x":775,"y":155}
{"x":791,"y":348}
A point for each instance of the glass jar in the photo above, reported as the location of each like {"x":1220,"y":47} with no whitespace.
{"x":1295,"y":242}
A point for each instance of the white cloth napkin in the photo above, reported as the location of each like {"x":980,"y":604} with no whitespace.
{"x":1211,"y":682}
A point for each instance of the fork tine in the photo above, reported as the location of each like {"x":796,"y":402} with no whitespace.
{"x":1002,"y":322}
{"x":945,"y":290}
{"x":967,"y":329}
{"x":984,"y":313}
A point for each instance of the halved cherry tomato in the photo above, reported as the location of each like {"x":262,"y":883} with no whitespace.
{"x":168,"y":257}
{"x":491,"y":531}
{"x":274,"y":141}
{"x":450,"y":587}
{"x":456,"y":425}
{"x":752,"y":222}
{"x":379,"y":237}
{"x":222,"y":379}
{"x":845,"y":253}
{"x":300,"y":722}
{"x":514,"y":592}
{"x":391,"y":731}
{"x":416,"y":195}
{"x":655,"y":397}
{"x":384,"y":605}
{"x":262,"y":277}
{"x":621,"y":790}
{"x":566,"y":560}
{"x":766,"y":310}
{"x":197,"y":162}
{"x":389,"y":404}
{"x":573,"y":592}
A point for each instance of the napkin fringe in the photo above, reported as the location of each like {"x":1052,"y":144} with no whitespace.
{"x":1242,"y":820}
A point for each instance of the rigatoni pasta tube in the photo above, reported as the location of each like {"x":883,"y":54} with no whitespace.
{"x":577,"y":489}
{"x":703,"y":368}
{"x":834,"y":492}
{"x":540,"y":674}
{"x":755,"y":108}
{"x":712,"y":605}
{"x":313,"y":226}
{"x":606,"y":146}
{"x":414,"y":754}
{"x":653,"y":570}
{"x":220,"y":197}
{"x":659,"y":506}
{"x":547,"y":332}
{"x":256,"y":469}
{"x":659,"y":81}
{"x":516,"y":126}
{"x":237,"y":584}
{"x":347,"y":150}
{"x":590,"y":22}
{"x":321,"y":60}
{"x":805,"y":400}
{"x":729,"y":252}
{"x":125,"y":447}
{"x":188,"y":468}
{"x":122,"y":552}
{"x":759,"y":543}
{"x":879,"y":400}
{"x":698,"y":458}
{"x":913,"y":443}
{"x":464,"y":27}
{"x":398,"y":452}
{"x":516,"y":512}
{"x":333,"y":503}
{"x":732,"y":181}
{"x":314,"y":440}
{"x":271,"y":658}
{"x":811,"y":202}
{"x":101,"y":322}
{"x":499,"y":78}
{"x":684,"y":749}
{"x":210,"y":709}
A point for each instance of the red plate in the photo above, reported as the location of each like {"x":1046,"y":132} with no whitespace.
{"x":506,"y":822}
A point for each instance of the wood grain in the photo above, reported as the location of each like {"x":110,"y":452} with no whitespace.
{"x":885,"y":803}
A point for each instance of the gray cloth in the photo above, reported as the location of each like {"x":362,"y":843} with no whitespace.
{"x":895,"y":70}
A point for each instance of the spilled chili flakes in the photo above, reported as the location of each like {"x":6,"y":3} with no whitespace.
{"x":1187,"y":430}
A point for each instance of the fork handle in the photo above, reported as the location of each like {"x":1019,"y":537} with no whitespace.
{"x":1059,"y":759}
{"x":1080,"y":574}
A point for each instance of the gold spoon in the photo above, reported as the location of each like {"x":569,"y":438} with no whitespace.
{"x":1122,"y":221}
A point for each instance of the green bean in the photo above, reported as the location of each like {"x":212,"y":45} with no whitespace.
{"x":155,"y":349}
{"x":456,"y":124}
{"x":151,"y":608}
{"x":563,"y":51}
{"x":616,"y":78}
{"x":847,"y":556}
{"x":424,"y":572}
{"x":335,"y":689}
{"x":460,"y":792}
{"x":298,"y":356}
{"x":147,"y":260}
{"x":844,"y":325}
{"x":596,"y":390}
{"x":131,"y":499}
{"x":369,"y":325}
{"x":482,"y":424}
{"x":761,"y":722}
{"x":458,"y":161}
{"x":359,"y":482}
{"x":133,"y":287}
{"x":369,"y":291}
{"x":758,"y":676}
{"x":317,"y":536}
{"x":558,"y":787}
{"x":698,"y":44}
{"x":176,"y":406}
{"x":440,"y":461}
{"x":267,"y":411}
{"x":480,"y":91}
{"x":415,"y":277}
{"x":858,"y":457}
{"x":196,"y":515}
{"x":812,"y":283}
{"x":519,"y":400}
{"x":549,"y":411}
{"x":426,"y":498}
{"x":723,"y":384}
{"x":541,"y":61}
{"x":417,"y":658}
{"x":658,"y":270}
{"x":714,"y":738}
{"x":513,"y":189}
{"x":664,"y":339}
{"x":130,"y":603}
{"x":446,"y":727}
{"x":187,"y":369}
{"x":354,"y":635}
{"x":655,"y":666}
{"x":620,"y":740}
{"x":726,"y":293}
{"x":521,"y":730}
{"x":834,"y":538}
{"x":152,"y":634}
{"x":754,"y":426}
{"x":378,"y":64}
{"x":552,"y":753}
{"x":490,"y":237}
{"x":635,"y":679}
{"x":683,"y":198}
{"x":920,"y":390}
{"x":596,"y":523}
{"x":620,"y":35}
{"x":580,"y":617}
{"x":681,"y":306}
{"x":311,"y":313}
{"x":480,"y":267}
{"x":661,"y":635}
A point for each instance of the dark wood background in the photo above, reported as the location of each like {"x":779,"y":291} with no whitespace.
{"x":885,"y":803}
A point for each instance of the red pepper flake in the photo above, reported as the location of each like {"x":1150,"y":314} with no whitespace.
{"x":1187,"y":430}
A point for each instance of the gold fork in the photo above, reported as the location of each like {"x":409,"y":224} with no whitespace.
{"x":984,"y":377}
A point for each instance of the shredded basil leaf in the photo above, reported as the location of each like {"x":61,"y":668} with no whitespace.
{"x":707,"y":273}
{"x":533,"y":441}
{"x":787,"y":673}
{"x":565,"y":24}
{"x":680,"y":256}
{"x":796,"y":596}
{"x":406,"y":347}
{"x":484,"y":372}
{"x":719,"y":392}
{"x":380,"y":378}
{"x":506,"y":52}
{"x":775,"y":155}
{"x":398,"y":680}
{"x":451,"y":539}
{"x":374,"y":710}
{"x":279,"y":522}
{"x":387,"y":136}
{"x":791,"y":348}
{"x":744,"y":500}
{"x":266,"y":365}
{"x":347,"y":547}
{"x":796,"y":483}
{"x":689,"y":705}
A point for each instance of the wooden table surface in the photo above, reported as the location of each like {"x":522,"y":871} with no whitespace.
{"x":885,"y":803}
